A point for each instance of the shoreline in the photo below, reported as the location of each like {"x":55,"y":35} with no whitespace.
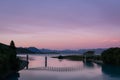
{"x":9,"y":74}
{"x":78,"y":58}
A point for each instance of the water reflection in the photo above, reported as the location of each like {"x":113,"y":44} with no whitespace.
{"x":13,"y":76}
{"x":42,"y":68}
{"x":6,"y":74}
{"x":112,"y":71}
{"x":88,"y":64}
{"x":60,"y":60}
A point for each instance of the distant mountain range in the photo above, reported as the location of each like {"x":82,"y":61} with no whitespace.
{"x":34,"y":50}
{"x":97,"y":51}
{"x":23,"y":50}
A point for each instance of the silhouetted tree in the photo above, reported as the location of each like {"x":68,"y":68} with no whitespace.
{"x":89,"y":54}
{"x":111,"y":56}
{"x":13,"y":58}
{"x":12,"y":44}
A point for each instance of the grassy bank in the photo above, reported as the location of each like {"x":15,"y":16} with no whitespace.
{"x":96,"y":58}
{"x":72,"y":57}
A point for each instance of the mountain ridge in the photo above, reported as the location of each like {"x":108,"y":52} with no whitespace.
{"x":44,"y":51}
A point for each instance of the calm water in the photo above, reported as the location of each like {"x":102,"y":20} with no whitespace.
{"x":55,"y":69}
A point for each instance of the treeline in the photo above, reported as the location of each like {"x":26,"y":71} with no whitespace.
{"x":111,"y":56}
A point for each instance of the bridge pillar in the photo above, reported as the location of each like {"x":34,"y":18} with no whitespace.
{"x":27,"y":59}
{"x":45,"y":61}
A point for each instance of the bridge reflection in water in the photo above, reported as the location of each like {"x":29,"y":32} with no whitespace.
{"x":57,"y":69}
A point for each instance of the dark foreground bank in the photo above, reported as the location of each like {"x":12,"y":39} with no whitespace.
{"x":9,"y":63}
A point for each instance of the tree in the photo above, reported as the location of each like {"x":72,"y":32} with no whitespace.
{"x":89,"y":53}
{"x":111,"y":56}
{"x":12,"y":44}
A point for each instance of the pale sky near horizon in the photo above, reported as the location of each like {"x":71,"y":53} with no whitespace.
{"x":60,"y":24}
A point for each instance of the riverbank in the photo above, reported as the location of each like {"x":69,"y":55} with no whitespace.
{"x":9,"y":73}
{"x":78,"y":58}
{"x":23,"y":64}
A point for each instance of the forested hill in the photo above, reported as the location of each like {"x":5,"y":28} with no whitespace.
{"x":8,"y":60}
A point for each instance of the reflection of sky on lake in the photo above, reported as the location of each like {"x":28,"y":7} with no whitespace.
{"x":53,"y":62}
{"x":88,"y":71}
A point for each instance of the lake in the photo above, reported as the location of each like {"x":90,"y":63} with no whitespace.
{"x":41,"y":68}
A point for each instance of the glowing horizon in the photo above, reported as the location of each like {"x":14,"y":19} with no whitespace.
{"x":63,"y":24}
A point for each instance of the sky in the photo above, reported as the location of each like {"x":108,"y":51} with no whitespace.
{"x":60,"y":24}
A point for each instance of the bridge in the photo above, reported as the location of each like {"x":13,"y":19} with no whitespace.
{"x":56,"y":69}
